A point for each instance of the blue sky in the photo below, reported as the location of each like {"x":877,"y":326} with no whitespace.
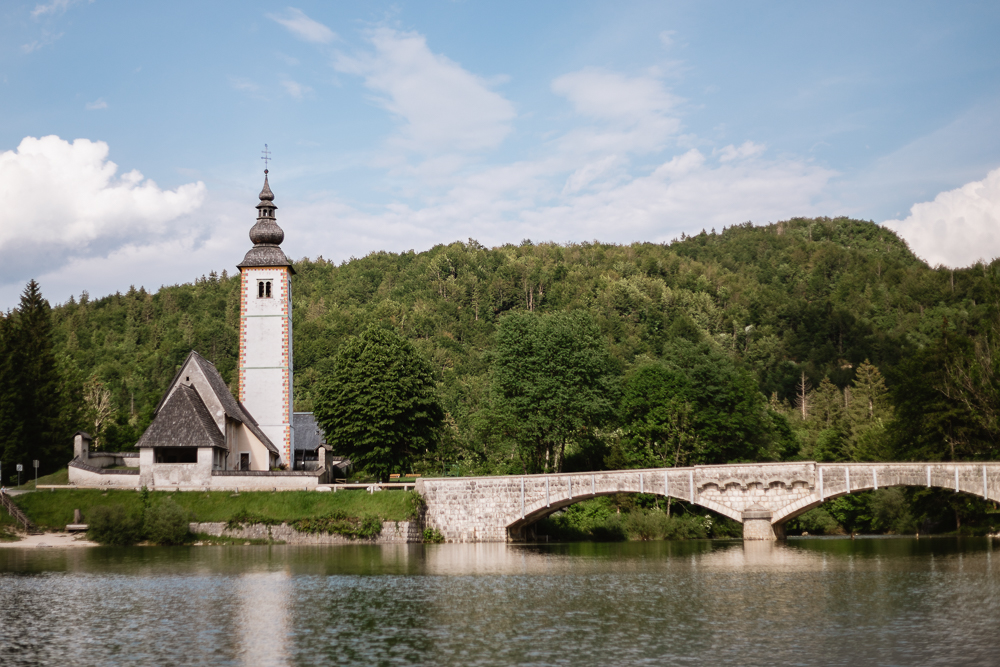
{"x":130,"y":133}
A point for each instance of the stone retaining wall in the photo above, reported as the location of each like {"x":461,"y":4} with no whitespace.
{"x":393,"y":532}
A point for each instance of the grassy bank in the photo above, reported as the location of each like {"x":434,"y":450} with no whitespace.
{"x":58,"y":477}
{"x":52,"y":510}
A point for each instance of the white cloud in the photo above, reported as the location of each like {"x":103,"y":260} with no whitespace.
{"x":244,"y":85}
{"x":295,"y":89}
{"x":304,"y":27}
{"x":54,"y":7}
{"x":46,"y":39}
{"x":636,"y":113}
{"x":97,"y":104}
{"x":63,"y":200}
{"x":959,"y":227}
{"x":445,"y":107}
{"x":667,"y":38}
{"x":745,"y":150}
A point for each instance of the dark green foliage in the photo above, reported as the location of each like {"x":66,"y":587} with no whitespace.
{"x":816,"y":521}
{"x":812,"y":297}
{"x":552,"y":383}
{"x":378,"y":405}
{"x":35,"y":406}
{"x":605,"y":519}
{"x":167,"y":523}
{"x":433,"y":536}
{"x":244,"y":518}
{"x":113,"y":525}
{"x":339,"y":523}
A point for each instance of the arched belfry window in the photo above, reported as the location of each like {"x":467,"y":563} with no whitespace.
{"x":263,"y":289}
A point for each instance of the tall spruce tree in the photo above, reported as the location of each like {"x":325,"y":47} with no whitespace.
{"x":32,"y":401}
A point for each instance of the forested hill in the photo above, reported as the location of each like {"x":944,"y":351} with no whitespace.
{"x":800,"y":300}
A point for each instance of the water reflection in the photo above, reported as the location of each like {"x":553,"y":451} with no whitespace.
{"x":899,"y":601}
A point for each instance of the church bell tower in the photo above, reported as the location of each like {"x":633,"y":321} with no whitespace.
{"x":265,"y":362}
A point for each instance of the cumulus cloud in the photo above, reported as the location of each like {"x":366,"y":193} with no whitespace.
{"x":443,"y":106}
{"x":97,"y":104}
{"x":63,"y":200}
{"x":304,"y":27}
{"x":959,"y":227}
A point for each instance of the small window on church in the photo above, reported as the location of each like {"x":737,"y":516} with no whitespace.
{"x":263,"y":289}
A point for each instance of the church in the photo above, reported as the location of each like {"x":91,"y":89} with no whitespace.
{"x":201,"y":435}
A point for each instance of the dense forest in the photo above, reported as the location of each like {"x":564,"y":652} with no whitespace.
{"x":823,"y":339}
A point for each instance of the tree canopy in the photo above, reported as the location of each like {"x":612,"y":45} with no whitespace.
{"x":758,"y":309}
{"x":377,"y":403}
{"x":552,"y":383}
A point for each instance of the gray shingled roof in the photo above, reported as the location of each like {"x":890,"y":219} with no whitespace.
{"x":265,"y":254}
{"x":233,"y":408}
{"x":183,"y":421}
{"x":308,"y":434}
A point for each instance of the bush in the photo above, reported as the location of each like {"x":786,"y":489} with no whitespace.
{"x":339,"y":523}
{"x":891,"y":512}
{"x":817,"y":521}
{"x":114,"y":526}
{"x":167,"y":523}
{"x":433,"y":536}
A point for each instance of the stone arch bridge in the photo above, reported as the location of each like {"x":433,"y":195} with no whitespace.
{"x":762,"y":496}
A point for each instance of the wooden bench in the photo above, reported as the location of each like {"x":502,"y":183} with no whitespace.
{"x":393,"y":476}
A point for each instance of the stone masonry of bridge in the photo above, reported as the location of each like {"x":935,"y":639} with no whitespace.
{"x":762,"y":496}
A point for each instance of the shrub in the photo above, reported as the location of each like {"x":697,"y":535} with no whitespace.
{"x":818,"y":521}
{"x":417,"y":505}
{"x":167,"y":523}
{"x":339,"y":523}
{"x":433,"y":536}
{"x":113,"y":525}
{"x":245,"y":518}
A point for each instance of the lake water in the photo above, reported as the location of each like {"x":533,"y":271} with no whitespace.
{"x":808,"y":602}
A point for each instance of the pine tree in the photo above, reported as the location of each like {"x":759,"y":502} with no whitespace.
{"x":869,"y":412}
{"x":34,"y":389}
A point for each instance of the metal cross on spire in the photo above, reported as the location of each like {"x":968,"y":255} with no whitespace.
{"x":265,"y":157}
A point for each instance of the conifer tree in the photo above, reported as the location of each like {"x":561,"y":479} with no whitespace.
{"x":33,"y":387}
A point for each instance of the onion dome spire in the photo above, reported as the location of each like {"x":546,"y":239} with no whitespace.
{"x":266,"y":234}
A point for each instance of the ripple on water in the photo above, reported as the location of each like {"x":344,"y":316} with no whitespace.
{"x":830,"y":602}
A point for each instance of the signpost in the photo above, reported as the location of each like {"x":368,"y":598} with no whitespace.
{"x":19,"y":469}
{"x":35,"y":463}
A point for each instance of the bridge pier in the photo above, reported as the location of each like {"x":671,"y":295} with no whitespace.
{"x":757,"y":525}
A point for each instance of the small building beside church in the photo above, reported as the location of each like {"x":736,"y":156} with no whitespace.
{"x":201,"y":435}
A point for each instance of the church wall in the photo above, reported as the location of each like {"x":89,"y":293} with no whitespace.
{"x":183,"y":474}
{"x":246,"y":441}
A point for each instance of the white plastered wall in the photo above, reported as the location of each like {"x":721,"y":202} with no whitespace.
{"x":246,"y":441}
{"x":266,"y":354}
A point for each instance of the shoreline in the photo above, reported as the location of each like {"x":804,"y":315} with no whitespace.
{"x":46,"y":540}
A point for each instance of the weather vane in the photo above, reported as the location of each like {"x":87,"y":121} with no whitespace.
{"x":265,"y":157}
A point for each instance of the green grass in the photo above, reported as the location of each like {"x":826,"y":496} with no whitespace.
{"x":7,"y":526}
{"x":52,"y":510}
{"x":58,"y":477}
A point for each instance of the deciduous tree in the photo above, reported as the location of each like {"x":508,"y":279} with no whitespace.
{"x":379,"y":405}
